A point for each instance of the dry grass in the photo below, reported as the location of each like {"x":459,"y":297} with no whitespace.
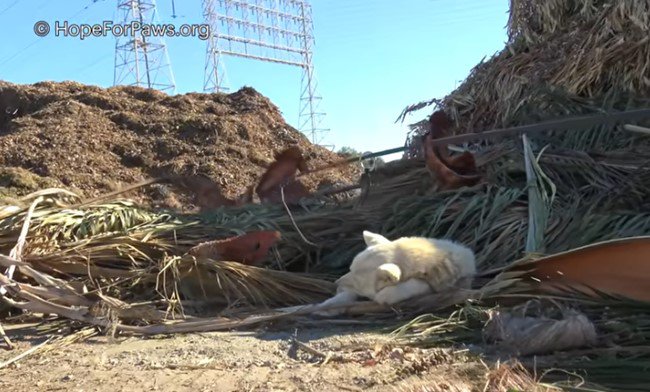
{"x":501,"y":377}
{"x":513,"y":376}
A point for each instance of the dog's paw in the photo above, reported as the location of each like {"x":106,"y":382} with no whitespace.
{"x":336,"y":305}
{"x":326,"y":313}
{"x":328,"y":310}
{"x":402,"y":291}
{"x":385,"y":296}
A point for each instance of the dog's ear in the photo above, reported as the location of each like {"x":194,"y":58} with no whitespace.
{"x":374,"y":239}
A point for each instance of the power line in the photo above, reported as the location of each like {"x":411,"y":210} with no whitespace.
{"x":95,"y":62}
{"x":20,"y":51}
{"x":447,"y":17}
{"x":10,"y":6}
{"x":40,"y":39}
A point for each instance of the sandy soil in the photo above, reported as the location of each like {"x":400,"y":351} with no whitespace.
{"x":256,"y":361}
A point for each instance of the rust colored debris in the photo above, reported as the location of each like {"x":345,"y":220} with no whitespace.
{"x":282,"y":173}
{"x":250,"y":248}
{"x":207,"y":193}
{"x":452,"y":172}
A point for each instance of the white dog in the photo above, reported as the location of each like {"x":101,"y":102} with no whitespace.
{"x":389,"y":272}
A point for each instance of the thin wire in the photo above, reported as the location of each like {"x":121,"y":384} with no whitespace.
{"x":40,"y":39}
{"x":20,"y":51}
{"x":10,"y":6}
{"x":295,"y":225}
{"x":95,"y":62}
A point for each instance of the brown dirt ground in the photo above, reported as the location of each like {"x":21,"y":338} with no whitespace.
{"x":93,"y":140}
{"x":256,"y":361}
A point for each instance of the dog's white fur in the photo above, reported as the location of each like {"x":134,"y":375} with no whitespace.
{"x":389,"y":272}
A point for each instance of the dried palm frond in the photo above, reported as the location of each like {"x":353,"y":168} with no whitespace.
{"x":237,"y":283}
{"x":562,"y":58}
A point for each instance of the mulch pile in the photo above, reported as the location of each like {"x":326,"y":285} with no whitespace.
{"x":93,"y":140}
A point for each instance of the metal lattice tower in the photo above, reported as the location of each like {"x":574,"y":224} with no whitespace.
{"x":141,"y":60}
{"x":215,"y":71}
{"x":278,"y":31}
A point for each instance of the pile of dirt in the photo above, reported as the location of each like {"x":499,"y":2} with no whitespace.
{"x":93,"y":140}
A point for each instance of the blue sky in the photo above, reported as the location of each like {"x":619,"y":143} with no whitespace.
{"x":372,"y":57}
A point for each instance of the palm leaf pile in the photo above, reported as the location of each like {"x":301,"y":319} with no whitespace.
{"x":586,"y":48}
{"x":584,"y":311}
{"x":122,"y":267}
